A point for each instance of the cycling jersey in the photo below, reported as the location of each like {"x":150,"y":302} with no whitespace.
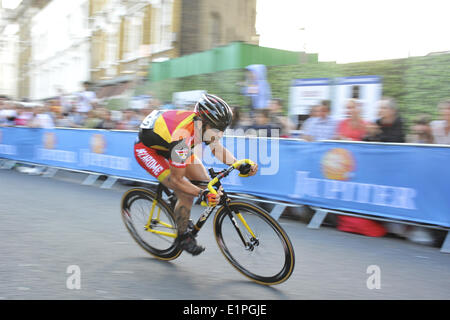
{"x":165,"y":137}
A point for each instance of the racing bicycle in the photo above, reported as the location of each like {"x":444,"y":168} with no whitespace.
{"x":249,"y":238}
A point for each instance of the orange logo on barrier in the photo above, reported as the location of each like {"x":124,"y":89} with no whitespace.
{"x":49,"y":140}
{"x":338,"y":164}
{"x":98,"y":143}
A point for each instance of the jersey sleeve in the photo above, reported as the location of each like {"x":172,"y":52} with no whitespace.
{"x":180,"y":152}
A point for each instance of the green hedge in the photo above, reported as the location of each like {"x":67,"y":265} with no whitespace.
{"x":417,"y":83}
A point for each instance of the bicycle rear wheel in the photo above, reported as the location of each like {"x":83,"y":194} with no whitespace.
{"x":151,"y":223}
{"x":268,"y":256}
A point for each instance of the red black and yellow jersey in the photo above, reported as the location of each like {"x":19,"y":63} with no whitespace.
{"x":170,"y":132}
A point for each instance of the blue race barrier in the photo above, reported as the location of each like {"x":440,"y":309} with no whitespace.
{"x":401,"y":182}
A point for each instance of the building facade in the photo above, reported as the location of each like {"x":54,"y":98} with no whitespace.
{"x":60,"y":54}
{"x":207,"y":24}
{"x":61,"y":43}
{"x":127,"y":35}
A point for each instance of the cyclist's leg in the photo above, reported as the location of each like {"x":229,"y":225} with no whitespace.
{"x":194,"y":171}
{"x":158,"y":167}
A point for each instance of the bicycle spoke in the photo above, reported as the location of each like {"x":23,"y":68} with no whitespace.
{"x":266,"y":258}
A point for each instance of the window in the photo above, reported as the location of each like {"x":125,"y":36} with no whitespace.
{"x":215,"y":30}
{"x":133,"y":36}
{"x":166,"y":23}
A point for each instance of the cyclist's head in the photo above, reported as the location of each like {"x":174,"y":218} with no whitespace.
{"x":213,"y":111}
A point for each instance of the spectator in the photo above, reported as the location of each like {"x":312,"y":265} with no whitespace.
{"x":23,"y":116}
{"x":441,"y":128}
{"x":256,"y":86}
{"x":129,"y":120}
{"x":93,"y":119}
{"x":64,"y":120}
{"x":106,"y":122}
{"x":263,"y":126}
{"x":42,"y":118}
{"x":421,"y":131}
{"x":236,"y":122}
{"x":278,"y":119}
{"x":245,"y":121}
{"x":86,"y":99}
{"x":55,"y":107}
{"x":322,"y":127}
{"x":8,"y":114}
{"x":389,"y":127}
{"x":64,"y":101}
{"x":353,"y":128}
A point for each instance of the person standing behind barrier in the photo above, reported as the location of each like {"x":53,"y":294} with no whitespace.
{"x":421,"y":131}
{"x":42,"y":118}
{"x":278,"y":119}
{"x":93,"y":119}
{"x":263,"y":126}
{"x":389,"y":127}
{"x":86,"y":99}
{"x":8,"y":114}
{"x":354,"y":127}
{"x":256,"y":86}
{"x":106,"y":121}
{"x":441,"y":128}
{"x":322,"y":127}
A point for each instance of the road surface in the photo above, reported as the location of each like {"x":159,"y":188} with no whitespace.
{"x":50,"y":227}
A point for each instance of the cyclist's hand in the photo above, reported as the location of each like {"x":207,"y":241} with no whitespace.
{"x":209,"y":199}
{"x":248,"y":170}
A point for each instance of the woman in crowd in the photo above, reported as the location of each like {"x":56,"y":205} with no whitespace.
{"x":354,"y":127}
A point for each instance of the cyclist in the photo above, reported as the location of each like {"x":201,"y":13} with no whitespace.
{"x":164,"y":149}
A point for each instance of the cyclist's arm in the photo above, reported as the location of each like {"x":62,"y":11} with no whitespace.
{"x":179,"y":153}
{"x":178,"y":181}
{"x":222,"y":153}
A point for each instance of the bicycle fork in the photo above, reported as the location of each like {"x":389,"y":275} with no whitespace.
{"x":249,"y":245}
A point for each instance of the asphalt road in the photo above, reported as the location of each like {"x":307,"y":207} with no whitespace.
{"x":50,"y":224}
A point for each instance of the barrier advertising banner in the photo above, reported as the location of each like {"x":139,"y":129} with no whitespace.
{"x":406,"y":182}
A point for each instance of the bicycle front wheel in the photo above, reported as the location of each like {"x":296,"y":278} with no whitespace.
{"x":254,"y":243}
{"x":151,"y":223}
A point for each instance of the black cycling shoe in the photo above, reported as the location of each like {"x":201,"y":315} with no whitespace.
{"x":189,"y":244}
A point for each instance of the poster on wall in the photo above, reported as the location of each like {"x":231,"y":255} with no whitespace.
{"x":305,"y":93}
{"x":367,"y":90}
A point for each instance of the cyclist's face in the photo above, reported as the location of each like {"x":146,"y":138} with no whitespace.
{"x":206,"y":133}
{"x":210,"y":134}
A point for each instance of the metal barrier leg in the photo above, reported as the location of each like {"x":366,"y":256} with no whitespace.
{"x":446,"y":245}
{"x":317,"y":219}
{"x":90,"y":179}
{"x":50,"y":173}
{"x":109,"y":182}
{"x":277,"y":211}
{"x":8,"y":164}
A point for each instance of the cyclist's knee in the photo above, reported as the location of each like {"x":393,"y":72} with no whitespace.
{"x":185,"y":198}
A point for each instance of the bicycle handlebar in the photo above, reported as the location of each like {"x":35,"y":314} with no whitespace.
{"x":225,"y":173}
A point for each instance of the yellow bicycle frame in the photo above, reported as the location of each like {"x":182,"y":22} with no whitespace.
{"x":212,"y":190}
{"x":150,"y":219}
{"x":235,"y":165}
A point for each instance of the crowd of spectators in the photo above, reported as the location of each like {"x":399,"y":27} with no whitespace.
{"x":87,"y":112}
{"x":389,"y":127}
